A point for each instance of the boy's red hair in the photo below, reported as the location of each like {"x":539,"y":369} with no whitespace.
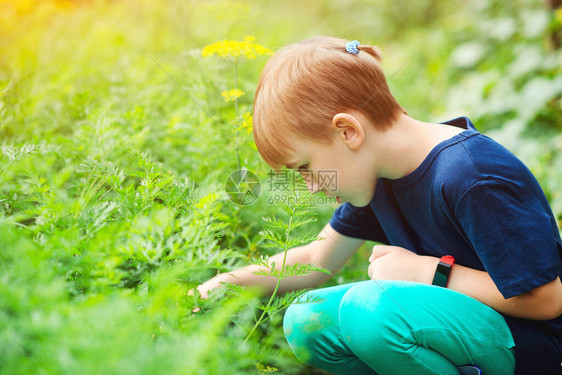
{"x":305,"y":84}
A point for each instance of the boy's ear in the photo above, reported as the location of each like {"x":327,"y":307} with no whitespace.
{"x":350,"y":129}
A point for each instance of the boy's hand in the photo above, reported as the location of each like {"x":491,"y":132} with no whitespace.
{"x":203,"y":290}
{"x":191,"y":292}
{"x":397,"y":263}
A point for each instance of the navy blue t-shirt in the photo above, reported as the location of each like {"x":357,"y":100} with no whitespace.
{"x":473,"y":199}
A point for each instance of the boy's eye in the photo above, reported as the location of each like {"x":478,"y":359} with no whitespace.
{"x":303,"y":168}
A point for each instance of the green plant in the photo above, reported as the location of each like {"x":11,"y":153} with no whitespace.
{"x":298,"y":214}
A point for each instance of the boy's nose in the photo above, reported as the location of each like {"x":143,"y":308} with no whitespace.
{"x":311,"y":183}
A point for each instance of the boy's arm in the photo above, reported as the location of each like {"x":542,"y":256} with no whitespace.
{"x":330,"y":253}
{"x":396,"y":263}
{"x":507,"y":221}
{"x":542,"y":303}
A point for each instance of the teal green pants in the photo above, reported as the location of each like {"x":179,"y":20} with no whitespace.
{"x":396,"y":327}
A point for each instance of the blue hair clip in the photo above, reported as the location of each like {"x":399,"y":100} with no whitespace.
{"x":351,"y":47}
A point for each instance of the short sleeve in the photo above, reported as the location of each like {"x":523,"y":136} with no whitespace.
{"x":358,"y":222}
{"x":514,"y":239}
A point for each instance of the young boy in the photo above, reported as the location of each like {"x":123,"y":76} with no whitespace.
{"x":459,"y":211}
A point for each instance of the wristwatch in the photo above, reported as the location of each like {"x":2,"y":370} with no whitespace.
{"x":443,"y":271}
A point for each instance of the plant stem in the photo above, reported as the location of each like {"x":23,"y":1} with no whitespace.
{"x":236,"y":108}
{"x":261,"y":318}
{"x":236,"y":86}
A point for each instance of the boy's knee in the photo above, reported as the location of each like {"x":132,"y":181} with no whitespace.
{"x":312,"y":332}
{"x":303,"y":325}
{"x":297,"y":316}
{"x":373,"y":321}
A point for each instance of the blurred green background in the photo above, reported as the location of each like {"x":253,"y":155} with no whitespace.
{"x":116,"y":145}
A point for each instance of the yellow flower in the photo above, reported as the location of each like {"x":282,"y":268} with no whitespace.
{"x":265,"y":370}
{"x":231,"y":94}
{"x":233,"y":48}
{"x":246,"y":122}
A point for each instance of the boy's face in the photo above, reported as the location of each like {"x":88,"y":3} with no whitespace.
{"x":335,"y":169}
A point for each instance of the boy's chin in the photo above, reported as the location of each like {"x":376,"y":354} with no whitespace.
{"x":357,"y":202}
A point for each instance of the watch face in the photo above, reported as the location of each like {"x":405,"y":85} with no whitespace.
{"x":442,"y":274}
{"x":439,"y":279}
{"x":444,"y":268}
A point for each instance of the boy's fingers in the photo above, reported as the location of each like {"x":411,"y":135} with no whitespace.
{"x":203,"y":290}
{"x":190,"y":293}
{"x":202,"y":293}
{"x":378,"y":251}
